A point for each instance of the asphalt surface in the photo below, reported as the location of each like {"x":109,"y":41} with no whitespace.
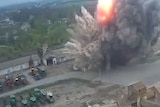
{"x":29,"y":77}
{"x":149,"y":73}
{"x":52,"y":80}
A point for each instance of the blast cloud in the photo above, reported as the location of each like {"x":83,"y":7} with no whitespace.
{"x":133,"y":31}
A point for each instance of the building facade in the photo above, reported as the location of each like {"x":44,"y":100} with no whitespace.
{"x":17,"y":65}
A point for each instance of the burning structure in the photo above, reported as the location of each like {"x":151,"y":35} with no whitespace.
{"x":120,"y":31}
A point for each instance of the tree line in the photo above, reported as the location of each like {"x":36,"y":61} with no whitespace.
{"x":27,"y":42}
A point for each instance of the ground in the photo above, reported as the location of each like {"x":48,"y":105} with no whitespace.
{"x":76,"y":91}
{"x":81,"y":91}
{"x":59,"y":69}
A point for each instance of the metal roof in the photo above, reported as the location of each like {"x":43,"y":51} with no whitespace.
{"x":12,"y":63}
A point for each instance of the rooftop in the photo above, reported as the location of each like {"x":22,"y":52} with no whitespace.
{"x":15,"y":62}
{"x":12,"y":63}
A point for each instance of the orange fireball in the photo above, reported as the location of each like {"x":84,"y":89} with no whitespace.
{"x":105,"y":11}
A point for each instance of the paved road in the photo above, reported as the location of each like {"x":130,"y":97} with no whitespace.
{"x":29,"y":77}
{"x":51,"y":80}
{"x":149,"y":73}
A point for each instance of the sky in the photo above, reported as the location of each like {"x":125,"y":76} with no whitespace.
{"x":10,"y":2}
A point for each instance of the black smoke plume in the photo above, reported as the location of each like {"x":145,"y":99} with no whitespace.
{"x":133,"y":31}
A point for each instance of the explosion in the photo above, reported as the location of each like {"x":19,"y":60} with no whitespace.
{"x":129,"y":28}
{"x":105,"y":11}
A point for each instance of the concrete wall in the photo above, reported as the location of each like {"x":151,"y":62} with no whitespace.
{"x":26,"y":66}
{"x":45,"y":62}
{"x":17,"y":68}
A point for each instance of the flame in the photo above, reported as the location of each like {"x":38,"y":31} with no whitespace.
{"x":105,"y":11}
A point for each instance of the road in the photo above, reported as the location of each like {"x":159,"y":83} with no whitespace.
{"x":149,"y":73}
{"x":52,"y":80}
